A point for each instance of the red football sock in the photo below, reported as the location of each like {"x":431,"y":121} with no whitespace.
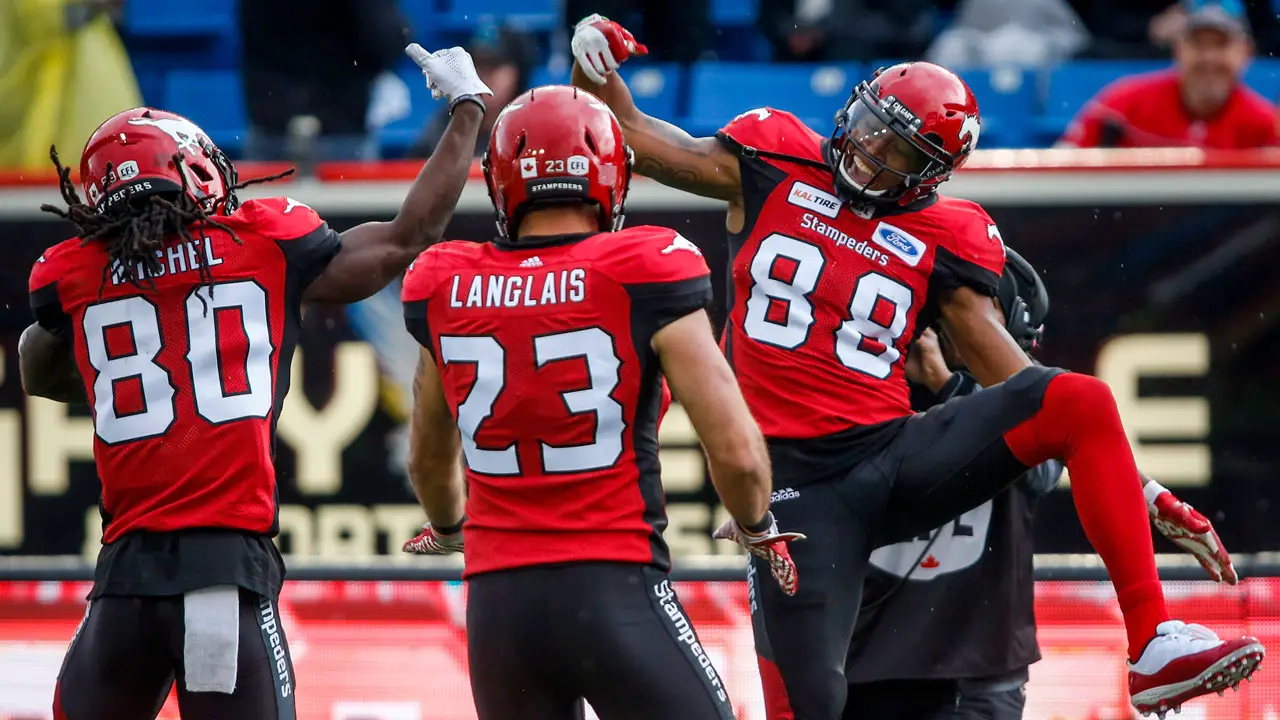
{"x":1079,"y":424}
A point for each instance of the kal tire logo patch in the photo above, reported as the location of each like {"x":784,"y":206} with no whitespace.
{"x":811,"y":198}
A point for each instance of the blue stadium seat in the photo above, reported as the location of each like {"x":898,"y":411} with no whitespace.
{"x":734,"y":13}
{"x":718,"y":92}
{"x":531,"y":15}
{"x":214,"y":100}
{"x":169,"y":18}
{"x":1264,"y":77}
{"x":656,"y":87}
{"x":426,"y":22}
{"x":397,"y":137}
{"x":1007,"y":100}
{"x":1072,"y":84}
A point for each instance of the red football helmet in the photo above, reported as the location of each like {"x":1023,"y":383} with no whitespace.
{"x":902,"y":134}
{"x":144,"y":151}
{"x":556,"y":144}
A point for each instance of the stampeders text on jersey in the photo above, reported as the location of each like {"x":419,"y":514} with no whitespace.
{"x":508,"y":291}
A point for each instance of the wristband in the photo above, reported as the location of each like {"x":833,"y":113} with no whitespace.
{"x":451,"y":529}
{"x":761,"y":527}
{"x":472,"y":97}
{"x":1151,"y":491}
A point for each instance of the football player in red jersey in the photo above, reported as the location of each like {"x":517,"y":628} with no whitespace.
{"x":842,"y":251}
{"x":174,"y":313}
{"x":542,"y":367}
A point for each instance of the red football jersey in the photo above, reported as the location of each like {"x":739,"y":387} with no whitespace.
{"x":824,"y":301}
{"x":543,"y":347}
{"x":186,"y":381}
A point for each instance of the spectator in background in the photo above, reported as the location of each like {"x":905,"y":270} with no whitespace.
{"x":504,"y":59}
{"x":319,"y":59}
{"x":674,"y":30}
{"x":1031,"y":33}
{"x":62,"y":69}
{"x":1201,"y":102}
{"x":834,"y":30}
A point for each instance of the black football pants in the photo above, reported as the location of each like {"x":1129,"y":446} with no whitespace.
{"x":937,"y":466}
{"x":541,"y":639}
{"x":128,"y":651}
{"x":994,"y":699}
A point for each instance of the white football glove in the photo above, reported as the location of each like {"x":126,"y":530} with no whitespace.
{"x":1189,"y":530}
{"x":450,"y":74}
{"x":770,"y":546}
{"x":600,"y":45}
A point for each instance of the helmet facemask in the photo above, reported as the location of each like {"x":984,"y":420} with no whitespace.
{"x":878,"y":155}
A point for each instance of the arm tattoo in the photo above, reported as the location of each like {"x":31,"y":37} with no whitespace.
{"x":684,"y":167}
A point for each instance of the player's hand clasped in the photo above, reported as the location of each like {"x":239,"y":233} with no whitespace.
{"x":770,"y":546}
{"x":1189,"y":530}
{"x":450,"y":74}
{"x":432,"y":542}
{"x":600,"y":45}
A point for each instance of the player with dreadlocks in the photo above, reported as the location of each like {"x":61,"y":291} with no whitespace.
{"x":174,"y":313}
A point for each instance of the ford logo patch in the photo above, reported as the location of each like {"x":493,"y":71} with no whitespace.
{"x":899,"y":242}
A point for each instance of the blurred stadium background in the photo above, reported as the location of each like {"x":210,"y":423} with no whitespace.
{"x":1160,"y":263}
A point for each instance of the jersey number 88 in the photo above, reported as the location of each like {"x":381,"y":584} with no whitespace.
{"x":863,"y":342}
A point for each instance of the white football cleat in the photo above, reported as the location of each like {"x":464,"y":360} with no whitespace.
{"x":1186,"y":661}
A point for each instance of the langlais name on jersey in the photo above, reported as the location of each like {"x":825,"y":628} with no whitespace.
{"x":186,"y":380}
{"x":543,"y":348}
{"x":510,"y":291}
{"x":826,"y":298}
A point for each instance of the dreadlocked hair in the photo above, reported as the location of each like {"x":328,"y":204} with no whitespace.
{"x":136,"y":235}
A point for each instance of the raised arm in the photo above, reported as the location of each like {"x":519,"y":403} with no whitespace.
{"x":373,"y":254}
{"x":663,"y":151}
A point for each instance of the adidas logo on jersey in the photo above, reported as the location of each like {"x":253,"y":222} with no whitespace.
{"x":783,"y":494}
{"x":534,"y":261}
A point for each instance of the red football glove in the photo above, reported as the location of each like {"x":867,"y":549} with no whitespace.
{"x":431,"y":542}
{"x":600,"y":45}
{"x":1190,"y":531}
{"x":770,"y":546}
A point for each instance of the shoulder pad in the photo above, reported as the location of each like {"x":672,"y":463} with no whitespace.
{"x":975,"y":236}
{"x":53,"y":264}
{"x":278,"y":218}
{"x":424,"y":273}
{"x":649,"y":254}
{"x":773,"y":130}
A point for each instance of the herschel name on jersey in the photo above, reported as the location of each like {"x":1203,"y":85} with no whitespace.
{"x":177,"y":258}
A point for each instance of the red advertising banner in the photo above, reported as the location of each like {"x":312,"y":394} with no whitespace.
{"x":397,"y":650}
